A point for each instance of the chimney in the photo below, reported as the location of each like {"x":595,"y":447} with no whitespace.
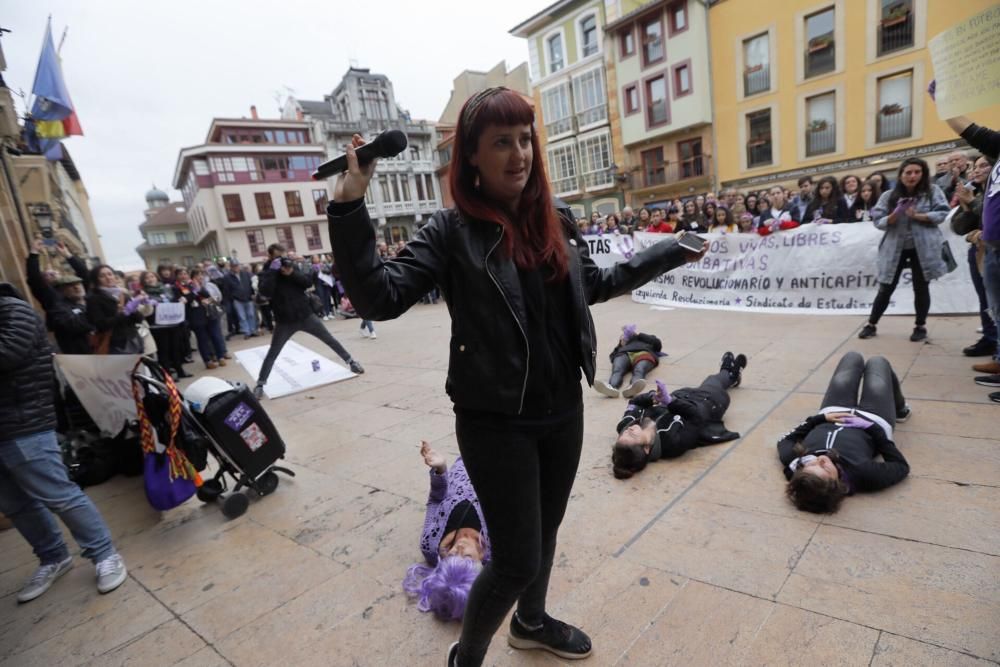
{"x":253,"y":111}
{"x":299,"y":115}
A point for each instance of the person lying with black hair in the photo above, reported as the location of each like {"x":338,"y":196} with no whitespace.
{"x":832,"y":454}
{"x":663,"y":425}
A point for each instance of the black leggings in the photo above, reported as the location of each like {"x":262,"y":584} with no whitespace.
{"x":283,"y":331}
{"x":880,"y":390}
{"x":620,"y":366}
{"x":921,"y":290}
{"x":523,"y":476}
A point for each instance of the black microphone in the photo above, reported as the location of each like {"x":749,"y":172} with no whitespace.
{"x":388,"y":144}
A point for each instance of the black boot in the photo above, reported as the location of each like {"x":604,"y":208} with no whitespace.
{"x":734,"y":365}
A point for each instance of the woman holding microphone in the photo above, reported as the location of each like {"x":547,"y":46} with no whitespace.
{"x":517,"y":278}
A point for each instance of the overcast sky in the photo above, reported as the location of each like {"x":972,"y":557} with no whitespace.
{"x":147,"y":77}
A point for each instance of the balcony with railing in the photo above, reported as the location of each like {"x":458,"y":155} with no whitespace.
{"x":592,"y":115}
{"x":565,"y":185}
{"x":759,"y":151}
{"x":821,"y":137}
{"x":756,"y":79}
{"x":686,"y":173}
{"x":895,"y":31}
{"x":557,"y":127}
{"x":893,"y":122}
{"x":820,"y":55}
{"x":603,"y":178}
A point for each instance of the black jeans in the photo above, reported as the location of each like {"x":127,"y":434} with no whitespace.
{"x":523,"y":476}
{"x":989,"y":326}
{"x":921,"y":290}
{"x":620,"y":366}
{"x":880,"y":390}
{"x":285,"y":330}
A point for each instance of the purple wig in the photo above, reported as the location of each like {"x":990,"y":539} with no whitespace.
{"x":629,"y":331}
{"x":443,"y":589}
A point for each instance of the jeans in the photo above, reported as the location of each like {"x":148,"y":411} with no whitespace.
{"x":285,"y":330}
{"x":880,"y":390}
{"x":921,"y":290}
{"x":367,"y":324}
{"x":991,"y":282}
{"x":621,"y":364}
{"x":34,"y":485}
{"x":989,"y":326}
{"x":325,"y":294}
{"x":523,"y":475}
{"x":211,"y":344}
{"x":247,"y":314}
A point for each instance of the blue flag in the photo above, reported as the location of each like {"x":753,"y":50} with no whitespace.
{"x":52,"y":101}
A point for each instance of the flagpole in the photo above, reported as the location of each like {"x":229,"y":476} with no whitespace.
{"x":61,"y":41}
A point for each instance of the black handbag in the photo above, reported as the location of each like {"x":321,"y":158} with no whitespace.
{"x":948,"y":257}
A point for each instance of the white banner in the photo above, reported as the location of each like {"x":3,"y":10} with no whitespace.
{"x":609,"y":249}
{"x":103,"y":383}
{"x":816,"y":269}
{"x":294,"y":369}
{"x":168,"y":314}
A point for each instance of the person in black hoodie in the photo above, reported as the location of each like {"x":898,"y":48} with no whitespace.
{"x":285,"y":285}
{"x":833,"y":453}
{"x":636,"y":352}
{"x":660,"y":425}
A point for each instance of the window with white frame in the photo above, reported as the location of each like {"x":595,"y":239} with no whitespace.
{"x":589,"y":97}
{"x":556,"y":110}
{"x":182,"y":237}
{"x":562,"y":168}
{"x":821,"y":129}
{"x":895,"y":107}
{"x":588,"y":35}
{"x":554,"y":49}
{"x":158,"y":238}
{"x":756,"y":64}
{"x":595,"y":161}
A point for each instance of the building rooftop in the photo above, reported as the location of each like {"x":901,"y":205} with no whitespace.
{"x":171,"y":215}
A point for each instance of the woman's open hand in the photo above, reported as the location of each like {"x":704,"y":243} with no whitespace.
{"x":352,"y":184}
{"x":432,"y":458}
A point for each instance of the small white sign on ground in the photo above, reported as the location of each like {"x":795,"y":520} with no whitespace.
{"x":293,"y":370}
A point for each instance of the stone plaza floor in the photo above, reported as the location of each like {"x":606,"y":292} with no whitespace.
{"x":695,"y":561}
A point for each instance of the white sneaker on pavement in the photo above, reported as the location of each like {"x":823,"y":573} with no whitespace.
{"x":365,"y":334}
{"x":111,"y":573}
{"x":43,"y":578}
{"x":373,"y":336}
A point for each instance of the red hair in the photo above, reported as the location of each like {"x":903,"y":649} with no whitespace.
{"x":535,"y":238}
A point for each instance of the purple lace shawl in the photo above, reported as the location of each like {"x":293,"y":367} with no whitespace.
{"x":448,"y":490}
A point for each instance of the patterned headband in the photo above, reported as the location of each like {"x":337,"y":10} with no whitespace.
{"x":473,"y":106}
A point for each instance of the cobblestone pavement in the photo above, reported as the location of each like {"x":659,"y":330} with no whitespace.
{"x":696,"y":561}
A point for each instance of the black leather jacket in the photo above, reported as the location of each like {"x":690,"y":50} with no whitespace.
{"x":489,"y":352}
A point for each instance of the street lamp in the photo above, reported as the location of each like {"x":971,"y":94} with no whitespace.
{"x":42,"y":214}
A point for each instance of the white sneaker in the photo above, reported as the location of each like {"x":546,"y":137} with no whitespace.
{"x":111,"y":573}
{"x":634,"y":389}
{"x":365,"y":334}
{"x":43,"y":578}
{"x":604,"y":388}
{"x":326,"y":318}
{"x":373,"y":336}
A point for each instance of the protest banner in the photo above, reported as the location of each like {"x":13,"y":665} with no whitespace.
{"x":168,"y":314}
{"x":103,"y":383}
{"x":814,"y":269}
{"x":609,"y":249}
{"x":967,"y":65}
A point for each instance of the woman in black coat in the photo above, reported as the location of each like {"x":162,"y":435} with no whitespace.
{"x":517,"y":278}
{"x":113,"y":314}
{"x":834,"y":453}
{"x":827,"y":205}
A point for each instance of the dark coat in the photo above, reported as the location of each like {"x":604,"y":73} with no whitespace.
{"x":103,"y":313}
{"x":641,"y":342}
{"x":27,"y":381}
{"x":69,"y":324}
{"x":481,"y":286}
{"x":835,"y":210}
{"x":287,"y":294}
{"x":856,"y":450}
{"x":238,"y":286}
{"x":692,"y":418}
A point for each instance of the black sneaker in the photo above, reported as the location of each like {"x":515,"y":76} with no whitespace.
{"x":868,"y":331}
{"x":988,"y":380}
{"x":995,"y":397}
{"x":919,"y":334}
{"x":554,"y":636}
{"x":904,"y":414}
{"x":981,"y":348}
{"x":258,"y":392}
{"x":739,"y":364}
{"x":356,"y":367}
{"x":728,"y":359}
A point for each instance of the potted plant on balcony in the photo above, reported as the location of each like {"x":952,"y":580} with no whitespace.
{"x":891,"y":109}
{"x":759,"y":140}
{"x":817,"y":125}
{"x":898,"y":13}
{"x":820,"y":43}
{"x":750,"y":69}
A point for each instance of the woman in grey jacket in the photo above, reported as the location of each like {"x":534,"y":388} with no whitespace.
{"x":909,"y":214}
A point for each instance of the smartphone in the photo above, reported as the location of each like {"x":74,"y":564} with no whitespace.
{"x":691,"y":242}
{"x":51,"y":243}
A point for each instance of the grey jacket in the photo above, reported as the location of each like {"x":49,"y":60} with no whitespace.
{"x":927,"y":238}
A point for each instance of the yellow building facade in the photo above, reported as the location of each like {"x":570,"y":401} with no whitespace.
{"x":802,"y":87}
